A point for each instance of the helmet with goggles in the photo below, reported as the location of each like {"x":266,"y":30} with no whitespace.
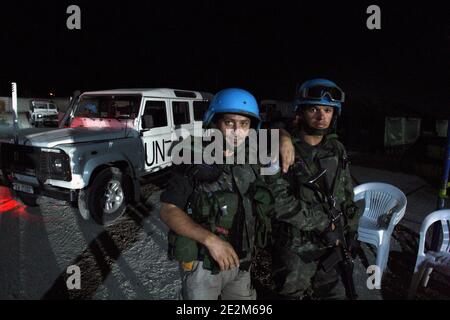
{"x":320,"y":92}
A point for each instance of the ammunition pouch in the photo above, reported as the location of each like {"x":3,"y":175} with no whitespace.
{"x":262,"y":205}
{"x":181,"y":248}
{"x":329,"y":261}
{"x":216,"y":211}
{"x":224,"y":206}
{"x":209,"y":263}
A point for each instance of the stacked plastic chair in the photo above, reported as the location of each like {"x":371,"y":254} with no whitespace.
{"x":427,"y":261}
{"x":385,"y":206}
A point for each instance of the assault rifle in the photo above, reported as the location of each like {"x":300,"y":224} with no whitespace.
{"x":340,"y":254}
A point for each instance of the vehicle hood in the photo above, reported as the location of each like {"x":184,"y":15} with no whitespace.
{"x":49,"y":138}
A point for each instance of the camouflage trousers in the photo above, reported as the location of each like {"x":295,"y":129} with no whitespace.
{"x":295,"y":278}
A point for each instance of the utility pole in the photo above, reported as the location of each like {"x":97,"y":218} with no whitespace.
{"x":15,"y":113}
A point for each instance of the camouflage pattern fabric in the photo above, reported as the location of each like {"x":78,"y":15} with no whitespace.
{"x":300,"y":236}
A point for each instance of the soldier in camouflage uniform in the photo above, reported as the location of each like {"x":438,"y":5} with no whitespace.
{"x":302,"y":244}
{"x":219,"y":214}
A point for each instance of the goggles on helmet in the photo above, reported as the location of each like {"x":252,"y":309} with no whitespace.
{"x":335,"y":94}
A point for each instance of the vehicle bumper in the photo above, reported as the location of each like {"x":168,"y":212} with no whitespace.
{"x":69,"y":195}
{"x":47,"y":122}
{"x":22,"y":165}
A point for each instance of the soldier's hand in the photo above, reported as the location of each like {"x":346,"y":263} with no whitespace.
{"x":223,"y":253}
{"x":287,"y":152}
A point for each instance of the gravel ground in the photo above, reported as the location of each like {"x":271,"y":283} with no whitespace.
{"x":128,"y":260}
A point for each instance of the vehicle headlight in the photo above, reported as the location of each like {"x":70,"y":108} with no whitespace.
{"x":39,"y":115}
{"x":55,"y":164}
{"x":58,"y":165}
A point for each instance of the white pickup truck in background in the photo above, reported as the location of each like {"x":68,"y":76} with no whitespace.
{"x":43,"y":113}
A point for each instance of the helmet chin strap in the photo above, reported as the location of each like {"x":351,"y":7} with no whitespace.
{"x":313,"y":131}
{"x":318,"y":132}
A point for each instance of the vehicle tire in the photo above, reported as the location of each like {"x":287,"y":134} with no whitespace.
{"x":27,"y":199}
{"x":106,"y":198}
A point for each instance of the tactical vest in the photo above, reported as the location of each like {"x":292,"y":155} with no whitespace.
{"x":309,"y":161}
{"x":216,"y":204}
{"x":329,"y":155}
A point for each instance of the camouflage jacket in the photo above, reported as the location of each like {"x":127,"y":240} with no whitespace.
{"x":230,"y":200}
{"x":307,"y":223}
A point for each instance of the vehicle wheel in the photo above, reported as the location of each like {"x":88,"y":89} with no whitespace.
{"x":27,"y":199}
{"x":106,"y":198}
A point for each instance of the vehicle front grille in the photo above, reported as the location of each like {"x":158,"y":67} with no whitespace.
{"x":20,"y":159}
{"x":51,"y":117}
{"x":32,"y":161}
{"x":44,"y":164}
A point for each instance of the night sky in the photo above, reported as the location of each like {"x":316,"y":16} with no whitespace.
{"x":266,"y":47}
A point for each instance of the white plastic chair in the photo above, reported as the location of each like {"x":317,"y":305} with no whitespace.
{"x":385,"y":206}
{"x":431,"y":259}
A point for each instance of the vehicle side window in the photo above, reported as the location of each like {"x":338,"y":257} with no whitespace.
{"x":200,"y":108}
{"x":180,"y":111}
{"x":155,"y":114}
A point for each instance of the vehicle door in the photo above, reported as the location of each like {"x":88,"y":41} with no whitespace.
{"x":182,"y":118}
{"x":199,"y":109}
{"x":156,"y":127}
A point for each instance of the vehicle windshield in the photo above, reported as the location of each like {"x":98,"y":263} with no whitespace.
{"x":112,"y":107}
{"x":43,"y":105}
{"x":40,"y":105}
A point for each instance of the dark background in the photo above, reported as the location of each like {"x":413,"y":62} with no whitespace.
{"x":266,"y":47}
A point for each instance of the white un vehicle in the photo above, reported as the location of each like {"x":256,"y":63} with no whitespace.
{"x":107,"y":142}
{"x":43,"y":113}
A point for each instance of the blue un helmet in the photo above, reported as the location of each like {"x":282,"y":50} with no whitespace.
{"x":233,"y":100}
{"x":320,"y":92}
